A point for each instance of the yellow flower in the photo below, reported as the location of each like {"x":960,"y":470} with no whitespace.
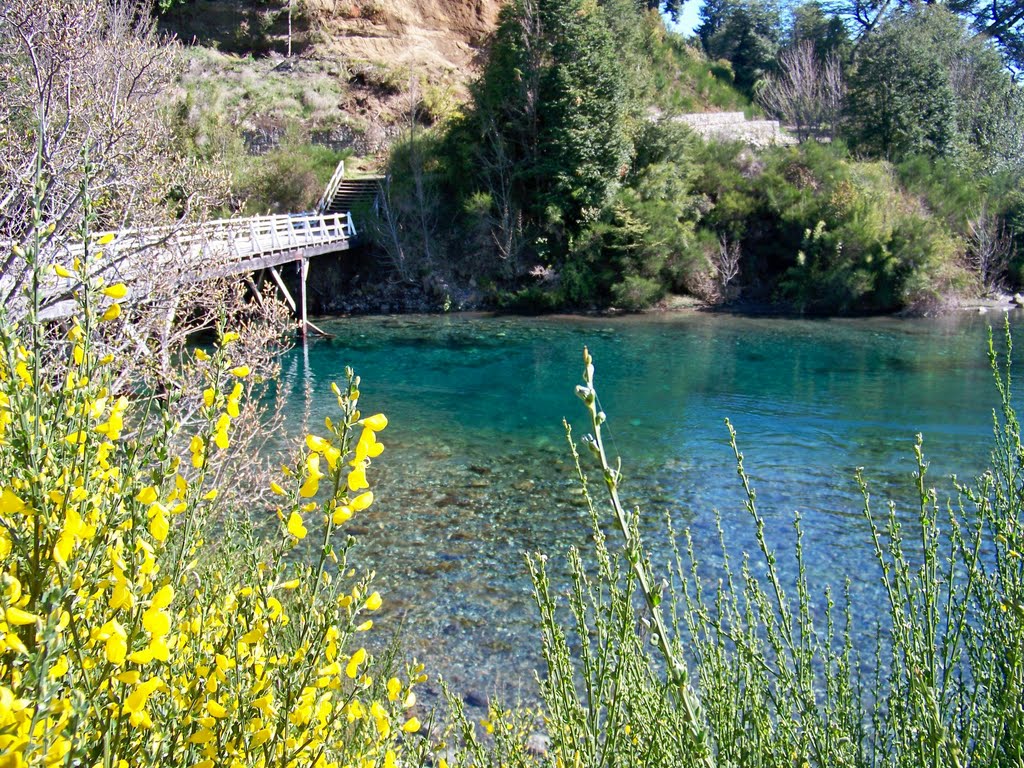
{"x":147,"y":495}
{"x":163,"y":598}
{"x":276,"y":488}
{"x":59,"y":669}
{"x":117,"y":642}
{"x":373,"y":602}
{"x":198,"y":449}
{"x":159,"y":526}
{"x":367,"y":447}
{"x":315,"y":443}
{"x":10,"y":503}
{"x":220,"y":434}
{"x":113,"y":312}
{"x":341,"y":515}
{"x":362,"y":501}
{"x":411,"y":725}
{"x":261,"y":737}
{"x":202,"y":736}
{"x":228,"y":338}
{"x":354,"y":710}
{"x":352,"y":668}
{"x":377,"y":422}
{"x":264,"y":704}
{"x":62,"y":271}
{"x":116,"y":291}
{"x":295,"y":526}
{"x":19,"y":618}
{"x":136,"y":701}
{"x":357,"y":478}
{"x":313,"y":474}
{"x":233,"y":398}
{"x":394,"y":688}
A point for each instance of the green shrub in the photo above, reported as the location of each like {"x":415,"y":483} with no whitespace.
{"x":777,"y":681}
{"x":288,"y":179}
{"x":635,"y":292}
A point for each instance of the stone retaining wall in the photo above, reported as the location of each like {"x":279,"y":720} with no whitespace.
{"x":707,"y":119}
{"x":734,"y":126}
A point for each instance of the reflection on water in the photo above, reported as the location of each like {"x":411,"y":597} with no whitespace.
{"x":477,"y":471}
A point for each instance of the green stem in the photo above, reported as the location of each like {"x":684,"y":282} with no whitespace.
{"x":636,"y":555}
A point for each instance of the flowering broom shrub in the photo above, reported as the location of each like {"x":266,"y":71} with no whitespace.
{"x":124,"y":639}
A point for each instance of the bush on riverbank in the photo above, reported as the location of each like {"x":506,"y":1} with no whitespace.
{"x":826,"y":233}
{"x":141,"y":622}
{"x":807,"y":227}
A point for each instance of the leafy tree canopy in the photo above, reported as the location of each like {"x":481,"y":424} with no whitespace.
{"x":923,"y":83}
{"x":1000,"y":20}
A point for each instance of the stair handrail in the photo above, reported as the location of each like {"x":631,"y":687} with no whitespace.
{"x":332,"y":188}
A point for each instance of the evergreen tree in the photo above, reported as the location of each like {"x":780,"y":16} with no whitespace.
{"x":713,"y":15}
{"x":999,"y":20}
{"x":674,"y":8}
{"x":826,"y":33}
{"x":747,"y":34}
{"x":554,"y":103}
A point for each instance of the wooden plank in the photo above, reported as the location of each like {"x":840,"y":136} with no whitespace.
{"x":272,"y":260}
{"x":303,"y":272}
{"x":284,"y":290}
{"x":319,"y":331}
{"x":255,"y":290}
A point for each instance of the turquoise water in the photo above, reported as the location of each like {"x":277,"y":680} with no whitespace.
{"x":477,"y":471}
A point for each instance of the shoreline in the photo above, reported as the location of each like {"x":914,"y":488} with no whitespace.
{"x":673,"y":305}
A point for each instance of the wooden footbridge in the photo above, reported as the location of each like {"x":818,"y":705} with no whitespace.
{"x":225,"y":248}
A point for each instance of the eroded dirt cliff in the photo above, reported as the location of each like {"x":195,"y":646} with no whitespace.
{"x":435,"y":39}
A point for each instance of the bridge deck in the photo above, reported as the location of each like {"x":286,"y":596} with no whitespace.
{"x":218,"y":248}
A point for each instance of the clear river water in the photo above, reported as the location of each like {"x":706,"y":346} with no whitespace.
{"x":477,"y":471}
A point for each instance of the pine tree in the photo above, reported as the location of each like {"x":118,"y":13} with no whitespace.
{"x":554,"y":96}
{"x":746,"y":33}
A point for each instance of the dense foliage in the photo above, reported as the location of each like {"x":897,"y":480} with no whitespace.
{"x":143,"y":623}
{"x":922,"y":84}
{"x":558,"y":187}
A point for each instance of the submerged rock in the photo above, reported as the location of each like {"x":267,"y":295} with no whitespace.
{"x":538,"y":744}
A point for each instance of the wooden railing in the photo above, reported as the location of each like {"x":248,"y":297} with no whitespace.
{"x":332,"y":188}
{"x":217,"y":248}
{"x":223,"y":242}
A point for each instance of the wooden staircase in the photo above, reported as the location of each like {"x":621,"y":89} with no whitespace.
{"x":342,"y":194}
{"x":354,"y":193}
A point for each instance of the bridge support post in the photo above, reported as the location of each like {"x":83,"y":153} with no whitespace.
{"x":303,"y":272}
